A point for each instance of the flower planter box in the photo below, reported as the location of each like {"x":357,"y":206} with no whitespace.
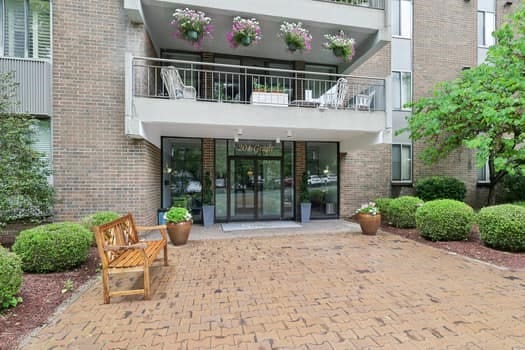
{"x":278,"y":99}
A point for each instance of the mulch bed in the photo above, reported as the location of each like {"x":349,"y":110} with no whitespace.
{"x":42,"y":294}
{"x":472,"y":247}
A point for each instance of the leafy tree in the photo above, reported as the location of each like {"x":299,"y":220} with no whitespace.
{"x":25,"y":193}
{"x":483,"y":110}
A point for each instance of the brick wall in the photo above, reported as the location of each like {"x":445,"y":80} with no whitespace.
{"x":364,"y":176}
{"x":95,"y":166}
{"x":208,"y":157}
{"x":377,"y":66}
{"x":445,"y":41}
{"x":300,"y":168}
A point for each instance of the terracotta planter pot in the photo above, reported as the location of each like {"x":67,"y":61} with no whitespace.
{"x":369,"y":223}
{"x":179,"y":233}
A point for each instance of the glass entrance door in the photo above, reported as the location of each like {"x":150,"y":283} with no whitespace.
{"x":255,"y":189}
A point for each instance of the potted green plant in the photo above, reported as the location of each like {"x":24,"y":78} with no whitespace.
{"x":192,"y":25}
{"x":245,"y":32}
{"x":369,"y":218}
{"x":295,"y":36}
{"x":178,"y":222}
{"x":306,"y":205}
{"x":341,"y":45}
{"x":208,"y":209}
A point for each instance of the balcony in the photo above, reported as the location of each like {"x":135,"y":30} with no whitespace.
{"x":34,"y":89}
{"x":367,"y":21}
{"x":196,"y":99}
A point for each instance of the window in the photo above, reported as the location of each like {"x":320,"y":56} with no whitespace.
{"x":323,"y":182}
{"x":402,"y":163}
{"x":484,"y":174}
{"x":402,"y":18}
{"x":402,"y":89}
{"x":26,"y":28}
{"x":181,"y":172}
{"x":486,"y":26}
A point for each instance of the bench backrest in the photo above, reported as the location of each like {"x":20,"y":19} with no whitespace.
{"x":119,"y":232}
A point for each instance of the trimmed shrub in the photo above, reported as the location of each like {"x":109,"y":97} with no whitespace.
{"x":383,"y":205}
{"x":503,"y":227}
{"x":402,"y":211}
{"x":445,"y":220}
{"x":440,"y":187}
{"x":10,"y":278}
{"x":53,"y":247}
{"x":102,"y":217}
{"x":520,"y":204}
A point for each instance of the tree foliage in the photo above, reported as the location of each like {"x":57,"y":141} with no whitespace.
{"x":483,"y":109}
{"x":25,"y":193}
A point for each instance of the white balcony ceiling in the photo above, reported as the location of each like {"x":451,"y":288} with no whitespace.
{"x":158,"y":15}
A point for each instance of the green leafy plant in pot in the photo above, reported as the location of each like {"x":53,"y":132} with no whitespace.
{"x":369,"y":218}
{"x":306,"y":205}
{"x":208,"y":209}
{"x":178,"y":223}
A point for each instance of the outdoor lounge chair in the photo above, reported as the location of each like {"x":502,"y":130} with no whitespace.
{"x":175,"y":85}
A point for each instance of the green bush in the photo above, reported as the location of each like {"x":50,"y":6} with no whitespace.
{"x":53,"y":247}
{"x":383,"y":204}
{"x":445,"y":220}
{"x":513,"y":188}
{"x":440,"y":187}
{"x":520,"y":204}
{"x":177,"y":215}
{"x":97,"y":219}
{"x":402,"y":211}
{"x":10,"y":278}
{"x":503,"y":227}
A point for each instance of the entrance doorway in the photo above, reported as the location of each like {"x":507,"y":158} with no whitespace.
{"x":256,"y":186}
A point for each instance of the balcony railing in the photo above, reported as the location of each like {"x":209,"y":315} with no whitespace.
{"x":224,"y":83}
{"x":375,"y":4}
{"x":34,"y":79}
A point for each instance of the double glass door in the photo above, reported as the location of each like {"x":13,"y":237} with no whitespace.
{"x":255,"y":191}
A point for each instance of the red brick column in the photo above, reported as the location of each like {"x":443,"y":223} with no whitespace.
{"x":208,"y":157}
{"x":300,"y":167}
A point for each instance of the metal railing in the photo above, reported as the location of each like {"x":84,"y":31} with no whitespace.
{"x":34,"y":79}
{"x":214,"y":82}
{"x":375,"y":4}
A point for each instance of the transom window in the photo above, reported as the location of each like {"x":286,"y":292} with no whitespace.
{"x":26,"y":28}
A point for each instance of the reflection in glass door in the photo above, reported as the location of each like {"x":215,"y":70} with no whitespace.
{"x":269,"y":189}
{"x":255,"y":189}
{"x":242,"y":189}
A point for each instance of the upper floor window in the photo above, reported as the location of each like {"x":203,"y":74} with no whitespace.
{"x":402,"y":89}
{"x":402,"y":18}
{"x":26,"y":28}
{"x":486,"y":26}
{"x":402,"y":163}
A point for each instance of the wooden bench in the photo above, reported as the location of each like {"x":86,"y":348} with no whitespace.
{"x":121,"y":251}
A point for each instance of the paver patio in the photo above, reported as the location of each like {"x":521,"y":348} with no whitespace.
{"x":337,"y":291}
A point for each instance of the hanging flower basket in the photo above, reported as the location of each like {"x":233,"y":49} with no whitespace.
{"x":295,"y":36}
{"x":192,"y":25}
{"x":244,"y":32}
{"x":341,"y":45}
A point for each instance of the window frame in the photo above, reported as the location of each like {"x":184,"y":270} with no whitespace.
{"x":402,"y":93}
{"x":27,"y":24}
{"x":410,"y":160}
{"x":402,"y":20}
{"x":486,"y":36}
{"x":486,"y":169}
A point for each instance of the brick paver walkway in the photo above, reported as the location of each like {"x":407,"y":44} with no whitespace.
{"x":342,"y":291}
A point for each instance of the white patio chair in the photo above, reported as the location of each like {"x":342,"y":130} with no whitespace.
{"x":363,"y":102}
{"x":175,"y":85}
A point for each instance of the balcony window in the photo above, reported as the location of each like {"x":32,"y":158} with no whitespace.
{"x":402,"y":18}
{"x":26,"y":29}
{"x":402,"y":89}
{"x":402,"y":163}
{"x":486,"y":26}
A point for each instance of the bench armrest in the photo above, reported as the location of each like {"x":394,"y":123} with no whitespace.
{"x":125,"y":247}
{"x":161,"y":228}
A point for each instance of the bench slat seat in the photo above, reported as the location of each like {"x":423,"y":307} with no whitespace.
{"x":121,"y":251}
{"x":132,"y":258}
